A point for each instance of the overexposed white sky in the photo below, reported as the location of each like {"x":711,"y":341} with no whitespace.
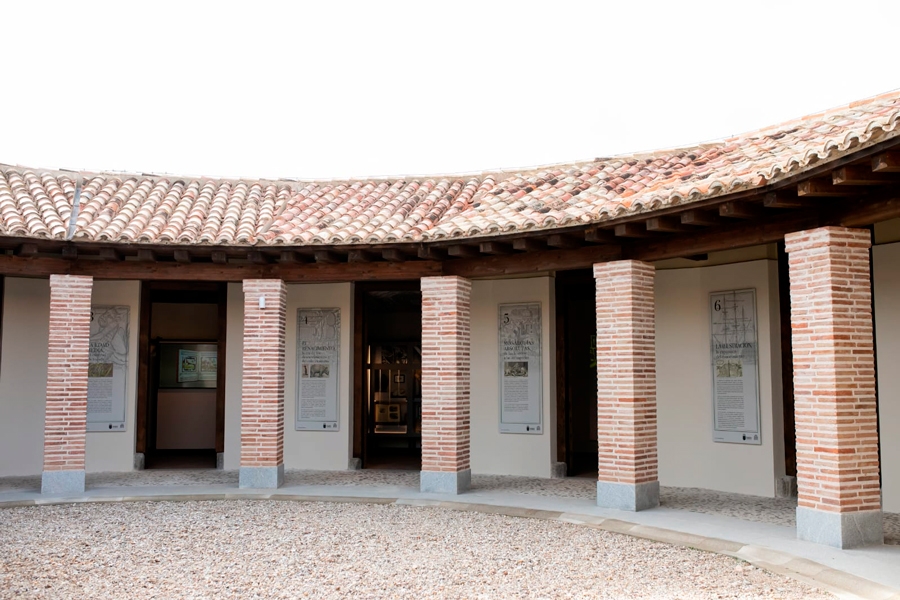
{"x":336,"y":89}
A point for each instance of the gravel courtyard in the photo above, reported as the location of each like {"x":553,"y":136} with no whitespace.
{"x":271,"y":549}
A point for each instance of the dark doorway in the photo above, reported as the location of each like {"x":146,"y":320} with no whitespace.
{"x":388,"y":386}
{"x":181,"y":410}
{"x":577,"y":372}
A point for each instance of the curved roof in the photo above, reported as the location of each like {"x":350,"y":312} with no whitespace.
{"x":164,"y":209}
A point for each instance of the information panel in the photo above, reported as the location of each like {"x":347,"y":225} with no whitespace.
{"x":521,"y":409}
{"x":735,"y":369}
{"x":107,"y":368}
{"x":318,"y":352}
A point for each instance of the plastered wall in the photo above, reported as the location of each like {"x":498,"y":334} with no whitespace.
{"x":23,"y":374}
{"x":687,"y":455}
{"x":491,"y":451}
{"x":329,"y":450}
{"x":114,"y":451}
{"x":886,"y":271}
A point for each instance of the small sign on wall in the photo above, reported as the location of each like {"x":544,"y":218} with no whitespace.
{"x":107,"y":368}
{"x":318,"y":369}
{"x":734,"y":355}
{"x":521,"y":378}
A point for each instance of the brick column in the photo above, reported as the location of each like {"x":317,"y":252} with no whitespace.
{"x":626,"y":386}
{"x":445,"y":384}
{"x":262,"y":396}
{"x":834,"y":387}
{"x":65,"y":416}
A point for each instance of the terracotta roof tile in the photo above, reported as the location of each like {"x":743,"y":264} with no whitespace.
{"x":166,"y":209}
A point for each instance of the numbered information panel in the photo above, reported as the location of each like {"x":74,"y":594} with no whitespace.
{"x":318,"y":369}
{"x":107,"y":368}
{"x":734,"y":354}
{"x":521,"y":401}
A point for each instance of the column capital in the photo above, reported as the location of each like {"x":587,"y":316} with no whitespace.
{"x":827,"y":236}
{"x":618,"y":267}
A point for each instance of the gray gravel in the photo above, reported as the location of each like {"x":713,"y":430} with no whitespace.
{"x":252,"y":549}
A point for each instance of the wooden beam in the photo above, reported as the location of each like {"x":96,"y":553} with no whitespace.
{"x":886,"y":162}
{"x":529,"y":244}
{"x":861,"y":175}
{"x":289,"y":257}
{"x":429,"y":252}
{"x":532,"y":262}
{"x":173,"y":271}
{"x":632,"y":230}
{"x":670,"y":224}
{"x":562,"y":240}
{"x":736,"y":234}
{"x":358,"y":256}
{"x":495,"y":248}
{"x":110,"y":254}
{"x":27,"y":250}
{"x":70,"y":252}
{"x":784,"y":200}
{"x":740,"y":210}
{"x":700,"y":218}
{"x":326,"y":257}
{"x":394,"y":255}
{"x":220,"y":257}
{"x":824,"y":188}
{"x":599,"y":236}
{"x":146,"y":255}
{"x":462,"y":251}
{"x":257,"y":257}
{"x":182,"y":256}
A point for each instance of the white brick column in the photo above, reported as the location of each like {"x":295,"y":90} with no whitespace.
{"x":626,"y":386}
{"x":262,"y":396}
{"x":834,"y":387}
{"x":445,"y":384}
{"x":65,"y":417}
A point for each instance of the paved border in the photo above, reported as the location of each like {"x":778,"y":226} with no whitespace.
{"x":840,"y":583}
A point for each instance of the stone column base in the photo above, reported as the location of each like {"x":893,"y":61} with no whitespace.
{"x":443,"y":482}
{"x":220,"y":460}
{"x":62,"y":482}
{"x":261,"y":477}
{"x":841,"y":530}
{"x":139,"y":461}
{"x":558,"y":470}
{"x":786,"y":487}
{"x":354,"y":464}
{"x":627,"y":496}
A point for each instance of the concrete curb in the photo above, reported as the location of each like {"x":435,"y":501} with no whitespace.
{"x":840,"y":583}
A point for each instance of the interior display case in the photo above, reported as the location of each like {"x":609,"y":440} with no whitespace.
{"x":186,"y":364}
{"x":394,"y":392}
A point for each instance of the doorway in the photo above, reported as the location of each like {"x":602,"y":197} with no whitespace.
{"x":181,"y":410}
{"x":577,"y":372}
{"x":388,"y":377}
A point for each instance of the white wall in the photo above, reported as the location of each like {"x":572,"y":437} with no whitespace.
{"x":114,"y":450}
{"x":886,"y":270}
{"x":687,"y":455}
{"x":23,"y":375}
{"x":302,"y":449}
{"x":328,"y":450}
{"x":23,"y":378}
{"x":491,"y":451}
